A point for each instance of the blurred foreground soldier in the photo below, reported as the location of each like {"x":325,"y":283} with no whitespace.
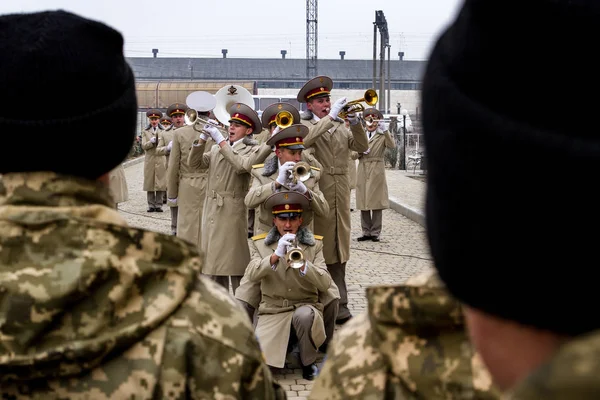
{"x":187,"y":187}
{"x":155,"y":164}
{"x":500,"y":246}
{"x":224,"y":218}
{"x":372,"y":189}
{"x":93,"y":308}
{"x":176,"y":112}
{"x":289,"y":310}
{"x":411,"y":344}
{"x":118,"y":185}
{"x":332,"y":144}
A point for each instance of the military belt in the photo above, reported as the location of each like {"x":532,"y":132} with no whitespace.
{"x":216,"y":194}
{"x":336,"y":170}
{"x":372,"y":160}
{"x":193,"y":175}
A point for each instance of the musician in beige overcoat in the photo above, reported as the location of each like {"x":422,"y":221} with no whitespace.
{"x":224,"y":219}
{"x":155,"y":164}
{"x":290,"y":304}
{"x":289,"y":146}
{"x":118,"y":185}
{"x":176,"y":112}
{"x":372,"y":189}
{"x":186,"y":187}
{"x":332,"y":143}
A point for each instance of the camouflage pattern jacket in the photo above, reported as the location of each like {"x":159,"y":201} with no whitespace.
{"x":412,"y":344}
{"x":94,"y":309}
{"x":571,"y":373}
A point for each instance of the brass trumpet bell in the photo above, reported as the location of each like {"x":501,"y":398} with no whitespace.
{"x":370,"y":97}
{"x":295,"y":256}
{"x":192,"y":117}
{"x":300,"y":172}
{"x":284,"y":119}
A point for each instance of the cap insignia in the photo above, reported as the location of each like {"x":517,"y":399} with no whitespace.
{"x":279,"y":107}
{"x":287,"y":206}
{"x":285,"y":196}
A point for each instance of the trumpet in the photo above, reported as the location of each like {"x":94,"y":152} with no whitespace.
{"x":295,"y":256}
{"x":370,"y":121}
{"x":300,"y":172}
{"x":284,"y":119}
{"x":192,"y":117}
{"x":354,"y":106}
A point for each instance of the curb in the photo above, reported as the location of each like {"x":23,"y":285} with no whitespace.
{"x":133,"y":162}
{"x":411,"y":213}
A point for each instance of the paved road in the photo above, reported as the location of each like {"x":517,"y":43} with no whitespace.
{"x":401,"y":253}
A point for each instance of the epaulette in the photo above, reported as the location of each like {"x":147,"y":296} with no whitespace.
{"x":258,"y":237}
{"x":315,"y":168}
{"x":318,"y":237}
{"x":258,"y":166}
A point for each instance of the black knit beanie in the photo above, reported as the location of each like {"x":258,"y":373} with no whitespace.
{"x":513,"y":143}
{"x":68,"y":102}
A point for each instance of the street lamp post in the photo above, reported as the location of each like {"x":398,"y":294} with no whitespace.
{"x":404,"y":113}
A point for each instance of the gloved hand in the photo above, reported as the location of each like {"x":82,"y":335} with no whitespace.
{"x":381,"y":127}
{"x":284,"y":172}
{"x":284,"y":242}
{"x":352,"y":118}
{"x":153,"y":139}
{"x":170,"y":146}
{"x":172,"y":200}
{"x":337,"y":107}
{"x":298,"y":187}
{"x":214,"y":133}
{"x":276,"y":131}
{"x":204,"y":136}
{"x":368,"y":151}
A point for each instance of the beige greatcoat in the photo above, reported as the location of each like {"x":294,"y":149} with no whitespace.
{"x":352,"y":172}
{"x":118,"y":184}
{"x":284,"y":290}
{"x":224,"y":238}
{"x":332,"y":144}
{"x":155,"y":163}
{"x":372,"y":189}
{"x":186,"y":185}
{"x":263,"y":186}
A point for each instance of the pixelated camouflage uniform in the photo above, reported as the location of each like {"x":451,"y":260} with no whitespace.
{"x":94,"y":309}
{"x":412,"y":344}
{"x":571,"y":373}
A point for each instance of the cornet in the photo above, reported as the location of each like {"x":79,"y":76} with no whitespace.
{"x":354,"y":106}
{"x":192,"y":117}
{"x":300,"y":172}
{"x":295,"y":256}
{"x":370,"y":121}
{"x":284,"y":119}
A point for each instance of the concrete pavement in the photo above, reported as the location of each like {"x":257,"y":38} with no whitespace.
{"x":401,"y":253}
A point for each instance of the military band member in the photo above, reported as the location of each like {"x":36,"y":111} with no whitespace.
{"x":118,"y":185}
{"x":276,"y":173}
{"x":155,"y":164}
{"x":166,"y":122}
{"x":224,"y":218}
{"x":187,"y":187}
{"x":270,"y":178}
{"x":332,"y":144}
{"x":290,"y":307}
{"x":177,"y":112}
{"x":371,"y":188}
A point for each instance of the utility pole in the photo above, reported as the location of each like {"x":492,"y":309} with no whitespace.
{"x":311,"y":38}
{"x":381,"y":24}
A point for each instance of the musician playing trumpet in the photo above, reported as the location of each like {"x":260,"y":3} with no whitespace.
{"x":290,"y":310}
{"x":371,"y":188}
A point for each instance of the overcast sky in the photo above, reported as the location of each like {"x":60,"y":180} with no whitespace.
{"x":259,"y":28}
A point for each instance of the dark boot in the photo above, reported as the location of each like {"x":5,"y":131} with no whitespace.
{"x":310,"y":372}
